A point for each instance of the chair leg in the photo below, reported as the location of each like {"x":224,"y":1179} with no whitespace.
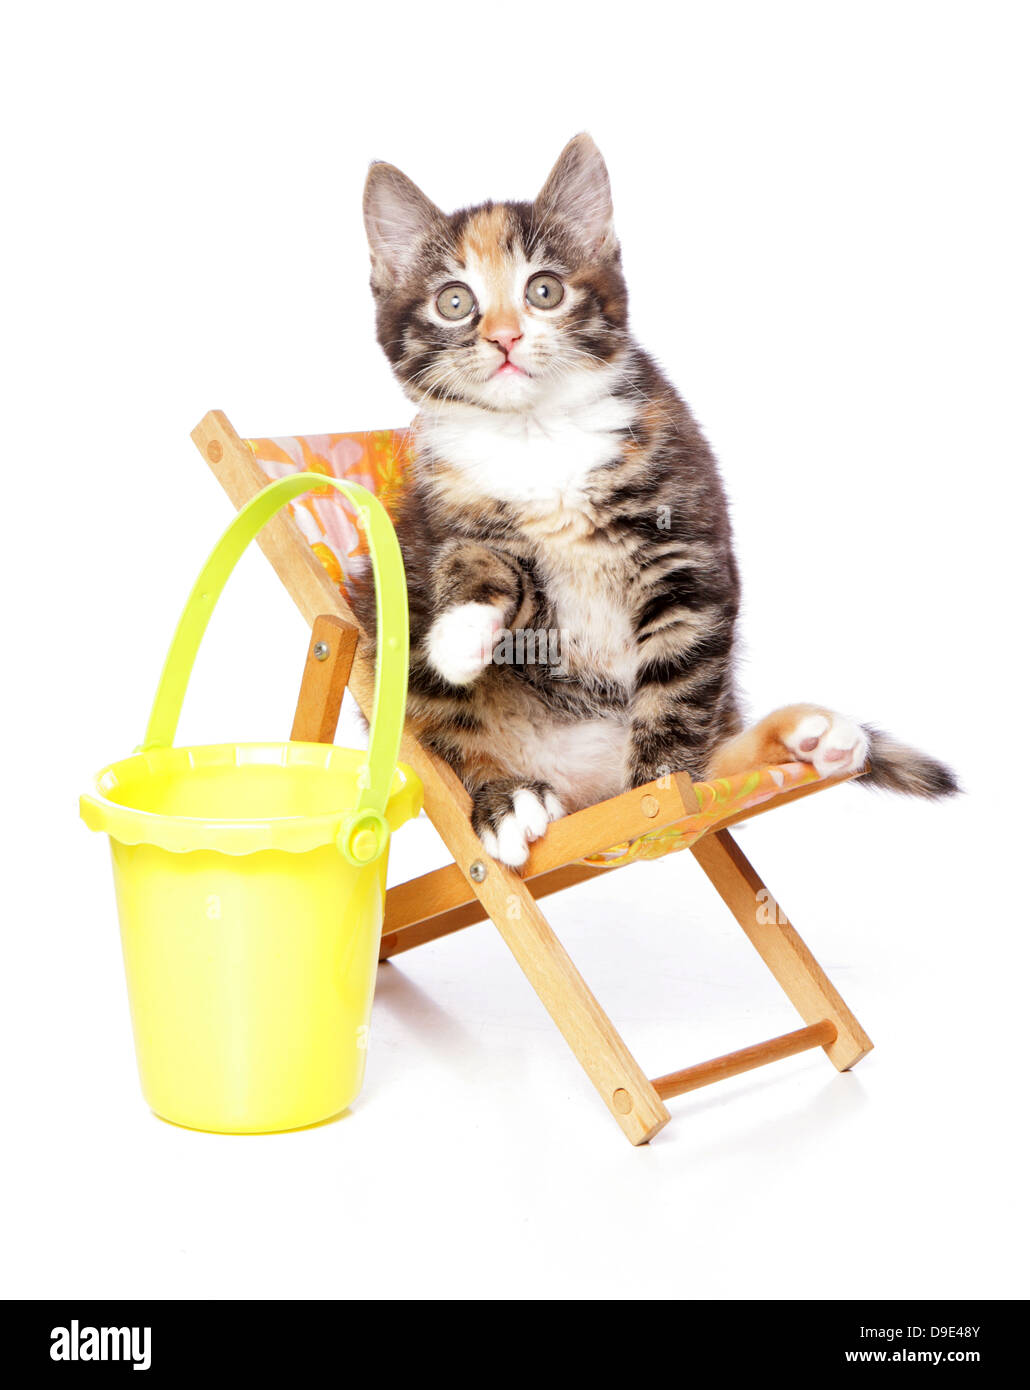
{"x":331,"y":649}
{"x":793,"y":965}
{"x":508,"y":901}
{"x":408,"y":924}
{"x":605,"y":1058}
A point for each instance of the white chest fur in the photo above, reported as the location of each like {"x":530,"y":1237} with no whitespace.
{"x":541,"y":462}
{"x":590,"y":612}
{"x":539,"y":457}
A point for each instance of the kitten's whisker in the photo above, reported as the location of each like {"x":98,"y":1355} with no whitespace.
{"x":626,"y":384}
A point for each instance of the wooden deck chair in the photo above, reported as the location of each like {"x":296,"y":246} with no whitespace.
{"x":311,"y":547}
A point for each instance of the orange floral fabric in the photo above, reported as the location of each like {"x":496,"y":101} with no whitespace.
{"x":378,"y":459}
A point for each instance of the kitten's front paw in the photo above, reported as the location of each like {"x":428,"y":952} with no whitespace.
{"x":508,"y":821}
{"x":460,"y":644}
{"x":831,"y":742}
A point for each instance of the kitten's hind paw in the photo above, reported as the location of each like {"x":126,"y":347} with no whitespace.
{"x":508,"y":817}
{"x":832,"y":743}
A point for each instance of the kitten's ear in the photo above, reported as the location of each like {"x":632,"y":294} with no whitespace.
{"x":397,"y":215}
{"x":577,"y":190}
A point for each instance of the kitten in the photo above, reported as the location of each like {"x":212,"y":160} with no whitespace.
{"x":570,"y":569}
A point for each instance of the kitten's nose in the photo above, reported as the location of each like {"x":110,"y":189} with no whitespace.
{"x":505,"y":336}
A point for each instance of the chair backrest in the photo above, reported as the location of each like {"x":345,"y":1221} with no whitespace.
{"x":378,"y":459}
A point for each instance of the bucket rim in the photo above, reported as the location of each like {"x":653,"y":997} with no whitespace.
{"x":130,"y":825}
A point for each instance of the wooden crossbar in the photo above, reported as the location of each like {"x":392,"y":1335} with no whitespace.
{"x":677,"y":1083}
{"x":789,"y":960}
{"x":402,"y":931}
{"x":441,"y":902}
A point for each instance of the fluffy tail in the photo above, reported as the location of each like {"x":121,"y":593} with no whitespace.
{"x":898,"y":768}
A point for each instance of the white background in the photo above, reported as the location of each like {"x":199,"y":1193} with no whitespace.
{"x":823,"y":211}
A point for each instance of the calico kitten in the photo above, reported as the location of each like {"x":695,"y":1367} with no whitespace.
{"x":570,"y":567}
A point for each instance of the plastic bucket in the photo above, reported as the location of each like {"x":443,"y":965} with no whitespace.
{"x":250,"y":878}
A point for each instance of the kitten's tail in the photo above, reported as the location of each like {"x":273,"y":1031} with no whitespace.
{"x":896,"y":767}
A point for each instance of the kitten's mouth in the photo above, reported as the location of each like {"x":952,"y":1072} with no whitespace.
{"x":509,"y":368}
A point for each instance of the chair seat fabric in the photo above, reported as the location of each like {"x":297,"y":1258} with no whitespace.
{"x":716,"y":802}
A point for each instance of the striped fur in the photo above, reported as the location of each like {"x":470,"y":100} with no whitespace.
{"x":561,"y":487}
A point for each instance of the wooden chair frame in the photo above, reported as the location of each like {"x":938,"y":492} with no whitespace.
{"x":476,"y":887}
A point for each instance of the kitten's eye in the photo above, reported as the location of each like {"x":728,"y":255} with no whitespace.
{"x":545,"y":292}
{"x":456,"y":302}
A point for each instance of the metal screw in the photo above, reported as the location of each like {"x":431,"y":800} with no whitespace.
{"x":477,"y":871}
{"x":320,"y":651}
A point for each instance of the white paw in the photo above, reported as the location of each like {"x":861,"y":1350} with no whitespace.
{"x":832,"y":743}
{"x":529,"y":818}
{"x":461,"y":641}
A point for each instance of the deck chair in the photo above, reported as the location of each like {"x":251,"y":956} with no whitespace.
{"x":311,"y":547}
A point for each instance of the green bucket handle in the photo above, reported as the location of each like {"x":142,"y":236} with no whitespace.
{"x":364,"y":833}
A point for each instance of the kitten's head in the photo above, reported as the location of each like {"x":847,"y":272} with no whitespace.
{"x":498,"y":305}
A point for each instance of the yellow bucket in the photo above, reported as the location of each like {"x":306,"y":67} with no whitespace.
{"x":250,"y":878}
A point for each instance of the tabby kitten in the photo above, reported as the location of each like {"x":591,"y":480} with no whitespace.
{"x":570,"y":568}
